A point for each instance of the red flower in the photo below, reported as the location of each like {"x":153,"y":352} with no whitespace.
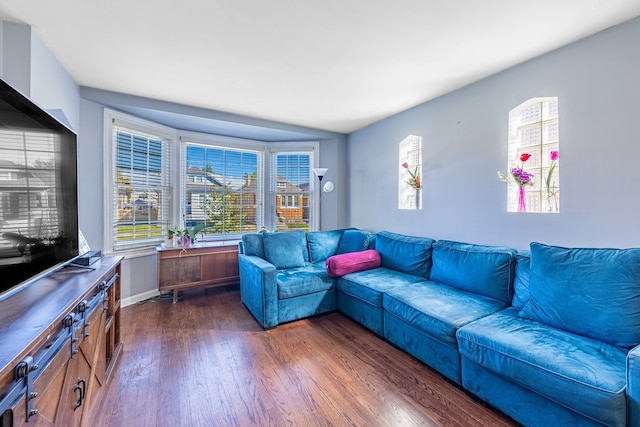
{"x":525,"y":157}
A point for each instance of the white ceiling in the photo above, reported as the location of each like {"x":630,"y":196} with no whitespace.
{"x":334,"y":65}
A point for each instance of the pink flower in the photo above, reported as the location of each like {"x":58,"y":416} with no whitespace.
{"x":554,"y":155}
{"x":414,"y":179}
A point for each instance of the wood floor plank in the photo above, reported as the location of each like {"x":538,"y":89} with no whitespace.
{"x":206,"y":362}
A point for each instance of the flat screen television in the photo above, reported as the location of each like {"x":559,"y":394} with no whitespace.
{"x":38,"y":192}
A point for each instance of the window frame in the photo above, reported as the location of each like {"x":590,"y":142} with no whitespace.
{"x":147,"y":128}
{"x":221,"y":142}
{"x":538,"y":198}
{"x":295,"y":147}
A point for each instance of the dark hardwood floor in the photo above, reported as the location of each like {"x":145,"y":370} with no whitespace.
{"x":206,"y":362}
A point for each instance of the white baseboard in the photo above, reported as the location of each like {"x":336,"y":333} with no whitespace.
{"x":137,"y":298}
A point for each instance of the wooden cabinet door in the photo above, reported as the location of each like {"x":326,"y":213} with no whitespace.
{"x":174,"y":271}
{"x":68,"y":384}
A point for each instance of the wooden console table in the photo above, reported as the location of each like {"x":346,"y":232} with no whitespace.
{"x":59,"y":343}
{"x":201,"y":265}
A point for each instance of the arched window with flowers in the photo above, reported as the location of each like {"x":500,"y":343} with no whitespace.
{"x":410,"y":173}
{"x":533,"y":172}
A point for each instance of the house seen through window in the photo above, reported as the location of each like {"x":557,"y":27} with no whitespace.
{"x":222,"y":189}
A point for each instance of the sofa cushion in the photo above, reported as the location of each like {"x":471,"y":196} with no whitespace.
{"x":305,"y":280}
{"x":436,"y":309}
{"x":352,"y":262}
{"x":253,"y":244}
{"x":407,"y":254}
{"x":484,"y":270}
{"x":591,"y":292}
{"x":285,"y":250}
{"x":369,"y":285}
{"x":354,"y":241}
{"x":521,"y":281}
{"x":323,"y":244}
{"x":586,"y":375}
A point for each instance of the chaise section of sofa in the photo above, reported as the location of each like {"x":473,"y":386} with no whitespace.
{"x":566,"y":352}
{"x":467,"y":282}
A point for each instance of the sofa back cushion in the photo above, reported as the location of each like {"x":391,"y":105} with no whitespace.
{"x":285,"y":250}
{"x":354,"y":241}
{"x":253,"y":244}
{"x":483,"y":270}
{"x":590,"y":292}
{"x":407,"y":254}
{"x":323,"y":244}
{"x":521,"y":282}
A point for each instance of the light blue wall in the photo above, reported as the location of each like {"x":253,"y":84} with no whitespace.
{"x":464,"y":136}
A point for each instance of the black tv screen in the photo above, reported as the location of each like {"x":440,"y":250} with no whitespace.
{"x":38,"y":192}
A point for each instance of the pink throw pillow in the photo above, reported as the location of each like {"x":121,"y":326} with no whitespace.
{"x":339,"y":265}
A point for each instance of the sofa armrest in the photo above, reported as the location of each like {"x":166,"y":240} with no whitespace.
{"x":633,"y":387}
{"x":258,"y":289}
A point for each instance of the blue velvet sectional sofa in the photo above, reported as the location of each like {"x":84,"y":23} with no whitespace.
{"x":548,"y":336}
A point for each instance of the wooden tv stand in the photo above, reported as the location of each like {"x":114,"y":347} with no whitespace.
{"x":59,"y":343}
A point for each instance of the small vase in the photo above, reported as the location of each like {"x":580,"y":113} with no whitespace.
{"x":418,"y":191}
{"x":522,"y":199}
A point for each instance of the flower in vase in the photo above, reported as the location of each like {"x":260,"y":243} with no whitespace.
{"x":553,"y":155}
{"x":519,"y":175}
{"x":414,"y":177}
{"x":552,"y":191}
{"x":522,"y":178}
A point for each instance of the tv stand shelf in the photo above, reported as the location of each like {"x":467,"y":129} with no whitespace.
{"x":59,"y":339}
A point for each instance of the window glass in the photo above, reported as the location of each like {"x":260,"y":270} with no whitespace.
{"x":222,"y":189}
{"x":533,"y":172}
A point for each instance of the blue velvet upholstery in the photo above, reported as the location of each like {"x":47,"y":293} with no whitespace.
{"x":285,"y":250}
{"x":360,"y":294}
{"x":364,"y":313}
{"x":291,"y":309}
{"x":581,"y":373}
{"x":252,"y":243}
{"x":521,"y":282}
{"x":443,"y":357}
{"x":436,"y":311}
{"x":369,"y":285}
{"x":407,"y":254}
{"x":354,"y":241}
{"x":323,"y":244}
{"x":528,"y":408}
{"x":258,"y":289}
{"x":591,"y":292}
{"x":633,"y":386}
{"x":484,"y":270}
{"x":303,"y":280}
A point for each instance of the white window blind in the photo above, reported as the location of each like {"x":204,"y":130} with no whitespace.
{"x":222,"y":189}
{"x":141,"y":183}
{"x":290,"y":190}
